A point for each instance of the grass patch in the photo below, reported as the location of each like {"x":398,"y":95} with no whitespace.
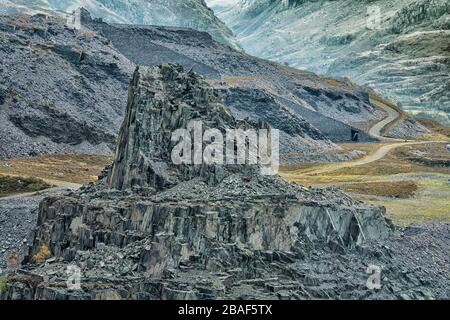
{"x":14,"y":185}
{"x":74,"y":168}
{"x":287,"y":167}
{"x":435,"y":126}
{"x":42,"y":254}
{"x":392,"y":189}
{"x":432,"y":154}
{"x":2,"y":284}
{"x":234,"y":80}
{"x":430,"y":203}
{"x":332,"y":81}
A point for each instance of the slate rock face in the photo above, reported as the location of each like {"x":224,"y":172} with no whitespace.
{"x":160,"y":104}
{"x":152,"y":220}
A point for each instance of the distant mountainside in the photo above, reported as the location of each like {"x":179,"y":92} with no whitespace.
{"x":187,"y":13}
{"x":400,"y":47}
{"x":65,"y":90}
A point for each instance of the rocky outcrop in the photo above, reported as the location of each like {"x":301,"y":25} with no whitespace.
{"x":143,"y":157}
{"x":185,"y":231}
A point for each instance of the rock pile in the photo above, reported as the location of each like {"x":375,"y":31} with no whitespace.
{"x":151,"y":229}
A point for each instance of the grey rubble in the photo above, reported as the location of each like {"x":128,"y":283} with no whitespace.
{"x":152,"y":230}
{"x":60,"y":91}
{"x":18,"y":218}
{"x":174,"y":227}
{"x":64,"y":90}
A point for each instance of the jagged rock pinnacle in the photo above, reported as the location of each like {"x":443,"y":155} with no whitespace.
{"x":162,"y":100}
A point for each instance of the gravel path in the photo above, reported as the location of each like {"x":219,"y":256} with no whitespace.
{"x":378,"y":154}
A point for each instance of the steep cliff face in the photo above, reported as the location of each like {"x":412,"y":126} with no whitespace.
{"x":193,"y":14}
{"x":160,"y":103}
{"x":172,"y":224}
{"x":398,"y":47}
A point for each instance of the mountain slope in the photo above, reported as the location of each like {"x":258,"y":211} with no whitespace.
{"x":59,"y":90}
{"x":187,"y":13}
{"x":65,"y":90}
{"x":406,"y":55}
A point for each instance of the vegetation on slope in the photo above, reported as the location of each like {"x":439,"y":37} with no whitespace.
{"x":10,"y":185}
{"x":73,"y":168}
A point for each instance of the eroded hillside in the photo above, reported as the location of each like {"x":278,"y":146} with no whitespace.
{"x":64,"y":89}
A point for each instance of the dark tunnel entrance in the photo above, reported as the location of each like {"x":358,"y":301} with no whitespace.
{"x":355,"y":135}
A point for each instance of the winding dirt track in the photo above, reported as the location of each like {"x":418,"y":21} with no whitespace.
{"x":375,"y":156}
{"x":392,"y":116}
{"x":381,"y":152}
